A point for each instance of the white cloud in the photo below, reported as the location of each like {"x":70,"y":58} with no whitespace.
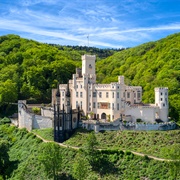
{"x":108,"y":24}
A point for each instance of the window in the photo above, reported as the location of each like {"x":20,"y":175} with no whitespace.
{"x":100,"y":94}
{"x":117,"y":106}
{"x":98,"y":105}
{"x":113,"y":95}
{"x":139,"y":95}
{"x":161,"y":93}
{"x":134,"y":94}
{"x":81,"y":86}
{"x":117,"y":94}
{"x":161,"y":99}
{"x":62,"y":93}
{"x":76,"y":94}
{"x":94,"y":94}
{"x":94,"y":105}
{"x":90,"y":66}
{"x":81,"y":104}
{"x":128,"y":95}
{"x":76,"y":86}
{"x":166,"y":100}
{"x":163,"y":105}
{"x":76,"y":104}
{"x":112,"y":106}
{"x":107,"y":94}
{"x":89,"y":104}
{"x":81,"y":94}
{"x":124,"y":94}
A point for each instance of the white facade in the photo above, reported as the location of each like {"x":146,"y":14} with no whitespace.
{"x":111,"y":101}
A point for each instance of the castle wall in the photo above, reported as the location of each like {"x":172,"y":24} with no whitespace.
{"x":129,"y":126}
{"x":145,"y":113}
{"x":48,"y":112}
{"x":39,"y":122}
{"x":31,"y":121}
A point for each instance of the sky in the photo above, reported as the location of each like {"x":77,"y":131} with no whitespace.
{"x":95,"y":23}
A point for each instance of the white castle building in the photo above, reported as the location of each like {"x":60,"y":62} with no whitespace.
{"x":111,"y":101}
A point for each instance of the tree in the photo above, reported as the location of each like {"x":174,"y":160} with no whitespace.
{"x":51,"y":159}
{"x":4,"y":158}
{"x":90,"y":150}
{"x":81,"y":167}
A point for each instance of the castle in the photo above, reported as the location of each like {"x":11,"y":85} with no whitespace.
{"x":114,"y":106}
{"x":110,"y":102}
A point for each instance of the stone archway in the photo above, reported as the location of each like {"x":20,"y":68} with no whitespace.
{"x":103,"y":116}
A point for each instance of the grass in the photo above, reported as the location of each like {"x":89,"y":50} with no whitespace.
{"x":46,"y":133}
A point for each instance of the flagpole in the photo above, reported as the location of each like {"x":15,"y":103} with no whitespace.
{"x":88,"y":40}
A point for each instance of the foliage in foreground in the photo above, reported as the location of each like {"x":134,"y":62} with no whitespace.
{"x":25,"y":155}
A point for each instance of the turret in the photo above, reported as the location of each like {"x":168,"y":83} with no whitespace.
{"x":68,"y":96}
{"x":88,"y":64}
{"x":161,"y":100}
{"x":58,"y":95}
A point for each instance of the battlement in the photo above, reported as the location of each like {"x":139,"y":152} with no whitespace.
{"x":160,"y":88}
{"x":89,"y":57}
{"x":98,"y":86}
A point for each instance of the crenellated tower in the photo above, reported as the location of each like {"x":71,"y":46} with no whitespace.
{"x":161,"y":100}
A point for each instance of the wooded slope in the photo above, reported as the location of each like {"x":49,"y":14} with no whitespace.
{"x":29,"y":69}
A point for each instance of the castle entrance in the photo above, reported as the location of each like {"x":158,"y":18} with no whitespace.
{"x":103,"y":116}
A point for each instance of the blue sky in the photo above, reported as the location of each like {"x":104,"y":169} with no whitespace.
{"x":109,"y":23}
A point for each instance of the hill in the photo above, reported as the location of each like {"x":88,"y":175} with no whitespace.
{"x":25,"y":160}
{"x":153,"y":64}
{"x":29,"y":69}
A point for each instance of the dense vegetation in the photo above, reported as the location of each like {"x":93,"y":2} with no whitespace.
{"x":155,"y":143}
{"x":29,"y":70}
{"x":30,"y":158}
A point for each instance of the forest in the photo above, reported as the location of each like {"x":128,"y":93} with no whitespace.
{"x":29,"y":69}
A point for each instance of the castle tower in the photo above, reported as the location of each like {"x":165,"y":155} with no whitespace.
{"x":68,"y":110}
{"x":121,"y":80}
{"x":56,"y":116}
{"x":88,"y":66}
{"x":68,"y":98}
{"x":58,"y":95}
{"x":161,"y":100}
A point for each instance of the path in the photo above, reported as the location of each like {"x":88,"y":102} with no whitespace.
{"x":74,"y":147}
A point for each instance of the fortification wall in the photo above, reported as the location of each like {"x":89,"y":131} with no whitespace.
{"x":149,"y":126}
{"x":130,"y":126}
{"x":31,"y":121}
{"x":146,"y":113}
{"x":48,"y":112}
{"x":40,"y":122}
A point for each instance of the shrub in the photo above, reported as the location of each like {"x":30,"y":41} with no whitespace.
{"x":36,"y":110}
{"x":5,"y":120}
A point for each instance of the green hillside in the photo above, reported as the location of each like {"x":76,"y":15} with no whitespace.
{"x":30,"y":158}
{"x":29,"y":69}
{"x":153,"y":64}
